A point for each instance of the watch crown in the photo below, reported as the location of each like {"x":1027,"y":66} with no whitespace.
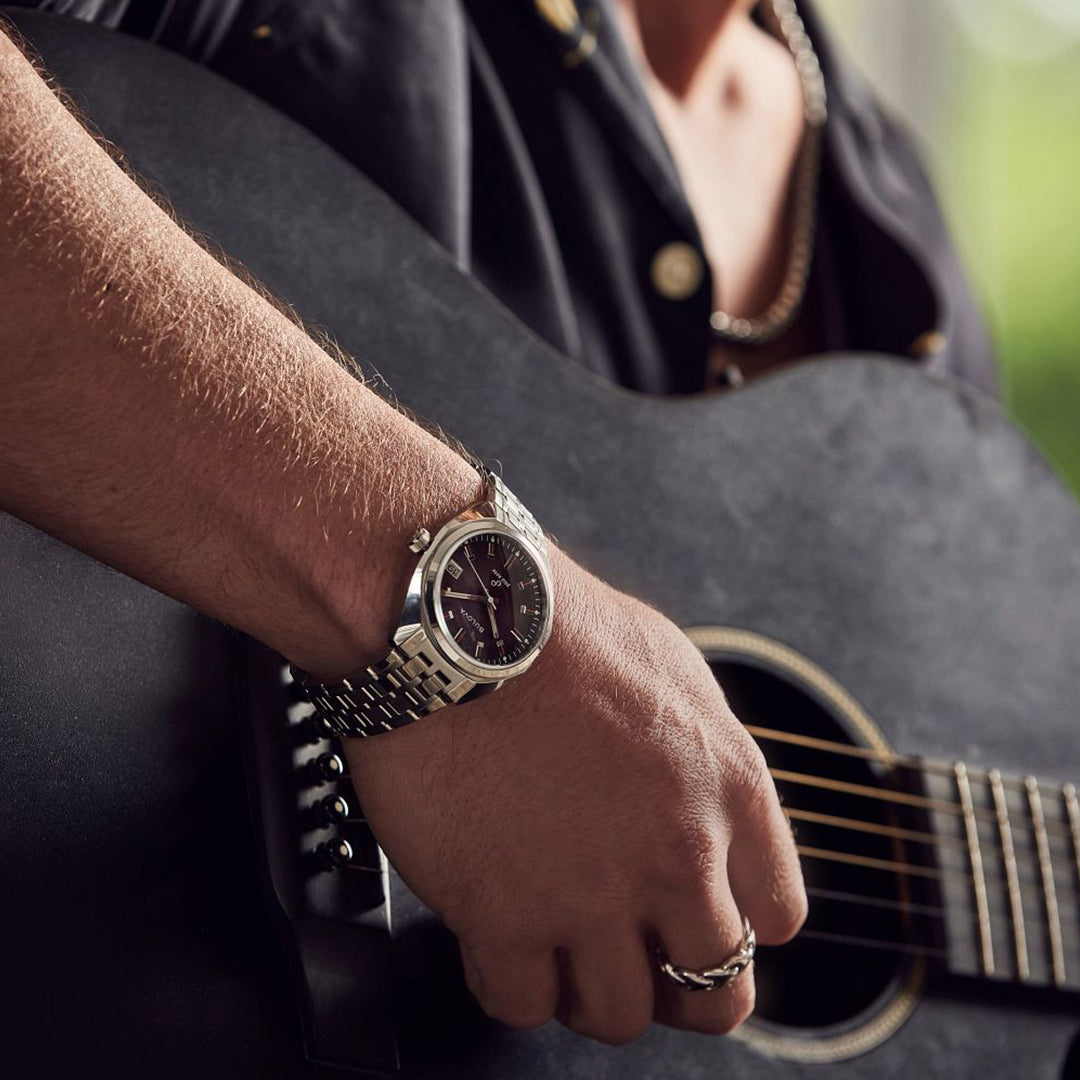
{"x":421,"y":539}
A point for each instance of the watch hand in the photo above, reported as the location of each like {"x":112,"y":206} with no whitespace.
{"x":464,"y":596}
{"x":490,"y":598}
{"x":468,"y":556}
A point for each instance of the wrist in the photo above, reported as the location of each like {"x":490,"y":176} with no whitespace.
{"x":351,"y":590}
{"x":477,"y":613}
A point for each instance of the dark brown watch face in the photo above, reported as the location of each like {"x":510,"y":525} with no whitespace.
{"x":493,"y":599}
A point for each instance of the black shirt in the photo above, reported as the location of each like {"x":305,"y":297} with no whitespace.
{"x":518,"y":133}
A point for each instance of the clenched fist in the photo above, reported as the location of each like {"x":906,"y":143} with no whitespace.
{"x":603,"y":802}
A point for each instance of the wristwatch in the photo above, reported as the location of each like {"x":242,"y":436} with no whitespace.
{"x":477,"y":612}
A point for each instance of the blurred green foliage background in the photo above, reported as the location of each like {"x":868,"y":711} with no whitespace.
{"x":992,"y":90}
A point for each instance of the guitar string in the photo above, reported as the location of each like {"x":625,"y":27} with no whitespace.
{"x":902,"y":761}
{"x":904,"y":798}
{"x":908,"y":948}
{"x":871,"y":792}
{"x":1001,"y":923}
{"x":1063,"y":864}
{"x":885,"y":757}
{"x":870,"y":862}
{"x":929,"y":839}
{"x":905,"y":907}
{"x":894,"y":831}
{"x":900,"y":945}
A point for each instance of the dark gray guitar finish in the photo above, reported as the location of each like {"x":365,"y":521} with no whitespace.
{"x":892,"y":527}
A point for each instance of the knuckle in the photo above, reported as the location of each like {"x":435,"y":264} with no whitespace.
{"x":615,"y":1030}
{"x":789,"y":914}
{"x":690,"y":860}
{"x":723,"y":1017}
{"x":798,"y":907}
{"x":515,"y":988}
{"x":517,"y":1006}
{"x":752,"y":786}
{"x":777,"y":905}
{"x":524,"y":1015}
{"x":744,"y":1000}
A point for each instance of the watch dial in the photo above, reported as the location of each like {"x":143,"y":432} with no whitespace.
{"x":493,"y":599}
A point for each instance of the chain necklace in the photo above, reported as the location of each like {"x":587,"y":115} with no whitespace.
{"x":780,"y":314}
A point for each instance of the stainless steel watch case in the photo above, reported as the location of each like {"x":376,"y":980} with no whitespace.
{"x":424,"y":670}
{"x":421,"y":610}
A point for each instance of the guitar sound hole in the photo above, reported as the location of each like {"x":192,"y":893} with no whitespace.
{"x":826,"y":977}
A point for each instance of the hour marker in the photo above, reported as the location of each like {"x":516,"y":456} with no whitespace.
{"x":461,"y":630}
{"x":501,"y":646}
{"x":518,"y":636}
{"x":514,"y":556}
{"x":525,"y":609}
{"x":491,"y":549}
{"x":453,"y":569}
{"x":450,"y":614}
{"x":479,"y":649}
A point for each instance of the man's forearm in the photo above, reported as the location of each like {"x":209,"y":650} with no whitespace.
{"x":161,"y":415}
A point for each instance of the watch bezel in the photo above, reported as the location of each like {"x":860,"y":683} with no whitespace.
{"x":431,"y":615}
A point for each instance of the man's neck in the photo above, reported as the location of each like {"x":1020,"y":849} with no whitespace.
{"x":681,"y":41}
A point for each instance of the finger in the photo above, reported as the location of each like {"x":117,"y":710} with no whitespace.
{"x":608,"y":986}
{"x":763,"y":867}
{"x":702,"y":934}
{"x":519,"y":988}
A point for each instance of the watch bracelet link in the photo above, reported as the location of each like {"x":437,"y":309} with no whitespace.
{"x":510,"y":510}
{"x":413,"y":680}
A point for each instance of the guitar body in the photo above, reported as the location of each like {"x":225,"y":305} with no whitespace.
{"x":890,"y":528}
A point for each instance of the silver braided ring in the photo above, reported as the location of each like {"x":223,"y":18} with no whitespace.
{"x":712,"y":978}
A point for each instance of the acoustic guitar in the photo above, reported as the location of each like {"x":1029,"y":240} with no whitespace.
{"x":882,"y":572}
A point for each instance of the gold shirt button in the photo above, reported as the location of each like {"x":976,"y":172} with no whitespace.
{"x":677,"y":270}
{"x":561,"y":14}
{"x":928,"y":345}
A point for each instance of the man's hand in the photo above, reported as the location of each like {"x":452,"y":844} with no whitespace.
{"x":607,"y":799}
